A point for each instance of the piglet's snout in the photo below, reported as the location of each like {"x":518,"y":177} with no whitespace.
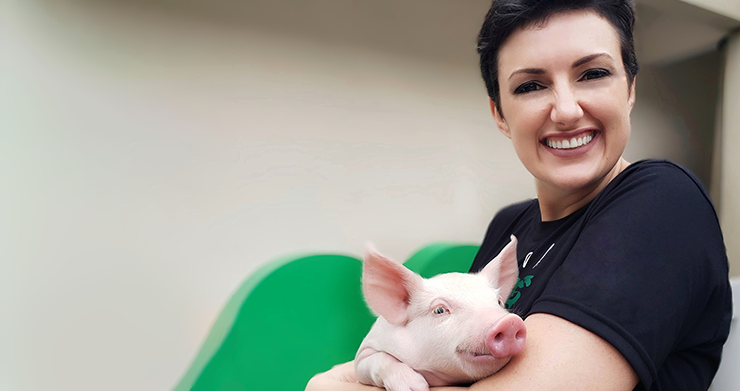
{"x":507,"y":336}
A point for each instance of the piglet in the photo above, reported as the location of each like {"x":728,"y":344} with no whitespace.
{"x":450,"y":329}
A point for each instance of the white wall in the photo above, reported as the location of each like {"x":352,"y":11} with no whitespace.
{"x":152,"y":156}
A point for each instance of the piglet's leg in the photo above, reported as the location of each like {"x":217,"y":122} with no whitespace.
{"x":383,"y":370}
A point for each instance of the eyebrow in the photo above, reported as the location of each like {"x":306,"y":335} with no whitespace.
{"x":529,"y":71}
{"x":576,"y":64}
{"x":589,"y":58}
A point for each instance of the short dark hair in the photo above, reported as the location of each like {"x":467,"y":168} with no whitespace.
{"x":505,"y":16}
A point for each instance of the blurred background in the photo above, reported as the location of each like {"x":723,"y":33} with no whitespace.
{"x":155,"y":153}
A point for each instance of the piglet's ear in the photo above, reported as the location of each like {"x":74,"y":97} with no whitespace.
{"x":503,"y":270}
{"x":388,"y":286}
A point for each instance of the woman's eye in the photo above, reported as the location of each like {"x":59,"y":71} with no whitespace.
{"x":528,"y":87}
{"x":592,"y":74}
{"x":440,"y":310}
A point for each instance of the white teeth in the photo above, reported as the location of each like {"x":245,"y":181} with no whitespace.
{"x":570,"y":144}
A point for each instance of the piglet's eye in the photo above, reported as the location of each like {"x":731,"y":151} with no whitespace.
{"x":500,"y":302}
{"x":440,"y":310}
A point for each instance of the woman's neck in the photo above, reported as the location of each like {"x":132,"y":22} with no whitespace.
{"x":556,"y":203}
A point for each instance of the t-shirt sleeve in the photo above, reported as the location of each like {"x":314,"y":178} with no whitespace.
{"x":648,"y":274}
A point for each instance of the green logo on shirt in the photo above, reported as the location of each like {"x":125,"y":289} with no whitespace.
{"x":516,"y":294}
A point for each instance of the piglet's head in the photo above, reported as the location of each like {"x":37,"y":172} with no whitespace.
{"x":451,"y":328}
{"x":388,"y":286}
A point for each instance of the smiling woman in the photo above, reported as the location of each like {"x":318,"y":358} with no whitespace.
{"x":622,"y":267}
{"x":565,"y":81}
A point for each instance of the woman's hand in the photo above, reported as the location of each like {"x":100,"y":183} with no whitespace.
{"x":340,"y":377}
{"x":342,"y":372}
{"x":343,"y":377}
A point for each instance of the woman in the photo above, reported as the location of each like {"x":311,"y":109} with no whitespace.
{"x":623,"y":271}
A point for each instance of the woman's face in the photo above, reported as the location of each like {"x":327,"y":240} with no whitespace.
{"x":565,"y":101}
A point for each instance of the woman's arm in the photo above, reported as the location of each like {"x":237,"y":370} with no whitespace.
{"x":559,"y":355}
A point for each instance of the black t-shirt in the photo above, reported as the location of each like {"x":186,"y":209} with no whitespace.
{"x":643,"y":266}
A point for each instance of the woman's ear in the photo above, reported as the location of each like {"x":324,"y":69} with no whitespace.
{"x":499,"y":119}
{"x":632,"y":96}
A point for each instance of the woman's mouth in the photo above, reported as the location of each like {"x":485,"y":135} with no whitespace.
{"x":569,"y":143}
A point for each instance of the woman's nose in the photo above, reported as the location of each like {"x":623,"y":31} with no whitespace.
{"x":566,"y":110}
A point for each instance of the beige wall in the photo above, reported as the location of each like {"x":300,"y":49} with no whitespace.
{"x":730,"y":8}
{"x":730,"y":183}
{"x":153,"y":156}
{"x":675,"y":114}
